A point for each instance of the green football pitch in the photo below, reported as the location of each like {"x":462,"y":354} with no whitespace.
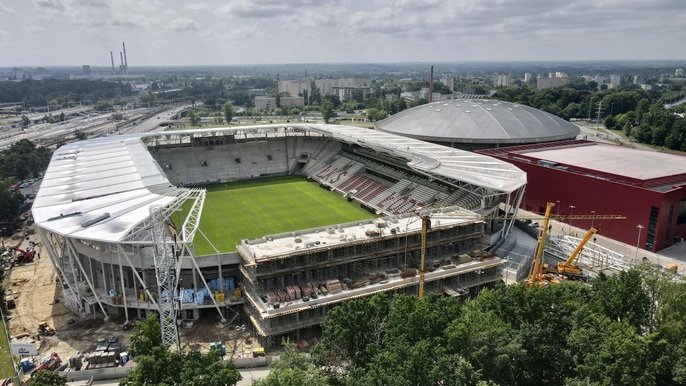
{"x":255,"y":208}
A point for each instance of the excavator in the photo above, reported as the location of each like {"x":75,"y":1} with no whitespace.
{"x":569,"y":268}
{"x":23,"y":257}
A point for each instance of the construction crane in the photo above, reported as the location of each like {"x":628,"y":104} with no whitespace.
{"x":569,"y":267}
{"x":426,"y":225}
{"x":536,"y":275}
{"x":165,"y":271}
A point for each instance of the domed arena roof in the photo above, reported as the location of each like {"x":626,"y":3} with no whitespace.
{"x":478,"y":121}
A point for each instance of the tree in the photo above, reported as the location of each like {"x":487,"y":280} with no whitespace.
{"x":315,"y":95}
{"x":194,"y":118}
{"x":228,"y":113}
{"x":10,"y":202}
{"x":293,"y":369}
{"x":48,"y":378}
{"x":25,"y":121}
{"x":326,"y":109}
{"x":147,"y":336}
{"x":610,"y":122}
{"x":156,"y":365}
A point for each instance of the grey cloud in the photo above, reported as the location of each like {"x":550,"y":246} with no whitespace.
{"x":184,"y":24}
{"x":5,"y":8}
{"x":263,"y":9}
{"x":51,"y":5}
{"x":118,"y":22}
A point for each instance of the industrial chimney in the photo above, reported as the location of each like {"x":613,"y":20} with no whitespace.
{"x":431,"y":86}
{"x":112,"y":59}
{"x":126,"y":63}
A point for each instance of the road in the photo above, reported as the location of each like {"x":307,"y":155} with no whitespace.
{"x":249,"y":375}
{"x":591,"y":132}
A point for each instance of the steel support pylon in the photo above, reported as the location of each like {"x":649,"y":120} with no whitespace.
{"x":165,"y":270}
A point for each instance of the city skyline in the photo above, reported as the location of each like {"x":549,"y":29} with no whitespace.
{"x":74,"y":32}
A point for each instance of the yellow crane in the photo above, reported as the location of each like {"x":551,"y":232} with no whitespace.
{"x":536,"y":275}
{"x":426,"y":225}
{"x":569,"y":267}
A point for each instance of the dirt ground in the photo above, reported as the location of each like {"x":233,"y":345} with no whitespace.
{"x":34,"y":288}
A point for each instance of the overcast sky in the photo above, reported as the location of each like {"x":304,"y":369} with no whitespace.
{"x":173,"y":32}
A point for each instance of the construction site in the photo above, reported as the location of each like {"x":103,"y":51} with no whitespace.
{"x":117,"y":222}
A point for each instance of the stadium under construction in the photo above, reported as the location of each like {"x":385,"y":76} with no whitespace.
{"x":120,"y":218}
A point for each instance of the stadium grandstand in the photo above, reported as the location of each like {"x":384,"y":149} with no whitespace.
{"x":123,"y":217}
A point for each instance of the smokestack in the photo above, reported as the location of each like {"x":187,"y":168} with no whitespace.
{"x":431,"y":85}
{"x":112,"y":59}
{"x":126,"y":63}
{"x":121,"y":60}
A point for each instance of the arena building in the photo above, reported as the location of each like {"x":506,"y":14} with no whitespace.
{"x":121,"y":219}
{"x":582,"y":177}
{"x":471,"y":124}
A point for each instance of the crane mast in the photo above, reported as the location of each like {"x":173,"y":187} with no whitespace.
{"x":165,"y":271}
{"x":426,"y":224}
{"x":536,"y":272}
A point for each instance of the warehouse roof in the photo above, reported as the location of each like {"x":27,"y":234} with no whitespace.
{"x":617,"y":160}
{"x":478,"y":121}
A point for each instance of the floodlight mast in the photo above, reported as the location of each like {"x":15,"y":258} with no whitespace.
{"x":165,"y":271}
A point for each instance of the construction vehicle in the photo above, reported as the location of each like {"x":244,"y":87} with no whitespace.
{"x":536,"y":274}
{"x":22,"y":256}
{"x":45,"y":330}
{"x":569,"y":268}
{"x":50,"y":363}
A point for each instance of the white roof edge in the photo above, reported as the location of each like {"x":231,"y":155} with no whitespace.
{"x":437,"y":160}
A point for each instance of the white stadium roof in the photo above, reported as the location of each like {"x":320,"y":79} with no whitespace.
{"x":100,"y":189}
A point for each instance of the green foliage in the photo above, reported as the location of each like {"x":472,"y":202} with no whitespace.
{"x":162,"y":367}
{"x":194,"y":117}
{"x":58,"y":92}
{"x":293,"y":369}
{"x":626,"y":329}
{"x":147,"y":336}
{"x":326,"y":109}
{"x":10,"y":202}
{"x":228,"y":113}
{"x":23,"y":159}
{"x":48,"y":378}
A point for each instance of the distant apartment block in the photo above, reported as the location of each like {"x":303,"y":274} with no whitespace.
{"x":449,"y":82}
{"x":502,"y":80}
{"x":292,"y":101}
{"x":17,"y":73}
{"x":343,"y":87}
{"x":253,"y":92}
{"x":528,"y":77}
{"x":263,"y":103}
{"x":543,"y":83}
{"x":615,"y":81}
{"x":294,"y":87}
